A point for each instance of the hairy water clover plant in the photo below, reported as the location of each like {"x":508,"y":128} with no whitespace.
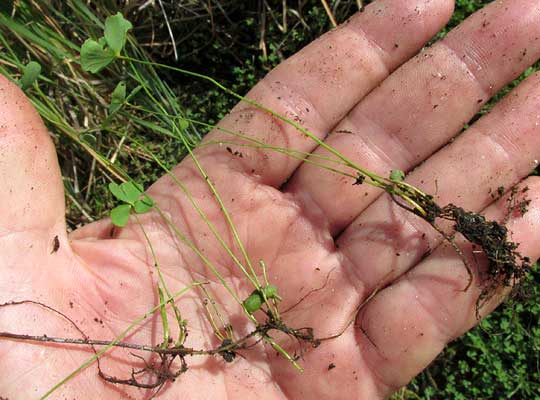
{"x":504,"y":261}
{"x":490,"y":236}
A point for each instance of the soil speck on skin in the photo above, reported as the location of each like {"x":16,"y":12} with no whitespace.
{"x":331,"y":366}
{"x":70,"y":304}
{"x":228,"y":355}
{"x":56,"y":244}
{"x":497,"y":193}
{"x":359,"y":180}
{"x":234,"y":153}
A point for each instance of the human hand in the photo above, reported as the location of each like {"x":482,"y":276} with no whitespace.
{"x":317,"y":231}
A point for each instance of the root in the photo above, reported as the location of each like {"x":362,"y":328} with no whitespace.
{"x":505,"y":265}
{"x":154,"y":375}
{"x":312,"y":291}
{"x":162,"y":373}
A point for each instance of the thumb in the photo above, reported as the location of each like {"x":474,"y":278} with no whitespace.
{"x":31,"y":190}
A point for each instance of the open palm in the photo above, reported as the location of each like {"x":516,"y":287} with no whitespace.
{"x":325,"y":241}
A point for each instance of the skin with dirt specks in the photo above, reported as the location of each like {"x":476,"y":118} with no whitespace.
{"x":316,"y":229}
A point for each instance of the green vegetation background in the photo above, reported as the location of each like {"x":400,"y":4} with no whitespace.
{"x":237,"y":43}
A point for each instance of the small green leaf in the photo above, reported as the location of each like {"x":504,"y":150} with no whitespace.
{"x":94,"y":56}
{"x":397,"y":175}
{"x":116,"y":29}
{"x":271,"y":292}
{"x":253,"y":302}
{"x":118,"y":97}
{"x":120,"y":215}
{"x":128,"y":192}
{"x":183,"y":124}
{"x":31,"y":73}
{"x":118,"y":192}
{"x":132,"y":191}
{"x":142,"y":206}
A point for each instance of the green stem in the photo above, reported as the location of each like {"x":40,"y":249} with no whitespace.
{"x":283,"y":352}
{"x":205,"y":260}
{"x":178,"y":315}
{"x":255,"y":104}
{"x":253,"y":278}
{"x":374,"y":179}
{"x":195,"y":205}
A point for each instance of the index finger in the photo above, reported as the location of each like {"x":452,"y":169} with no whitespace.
{"x":319,"y":85}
